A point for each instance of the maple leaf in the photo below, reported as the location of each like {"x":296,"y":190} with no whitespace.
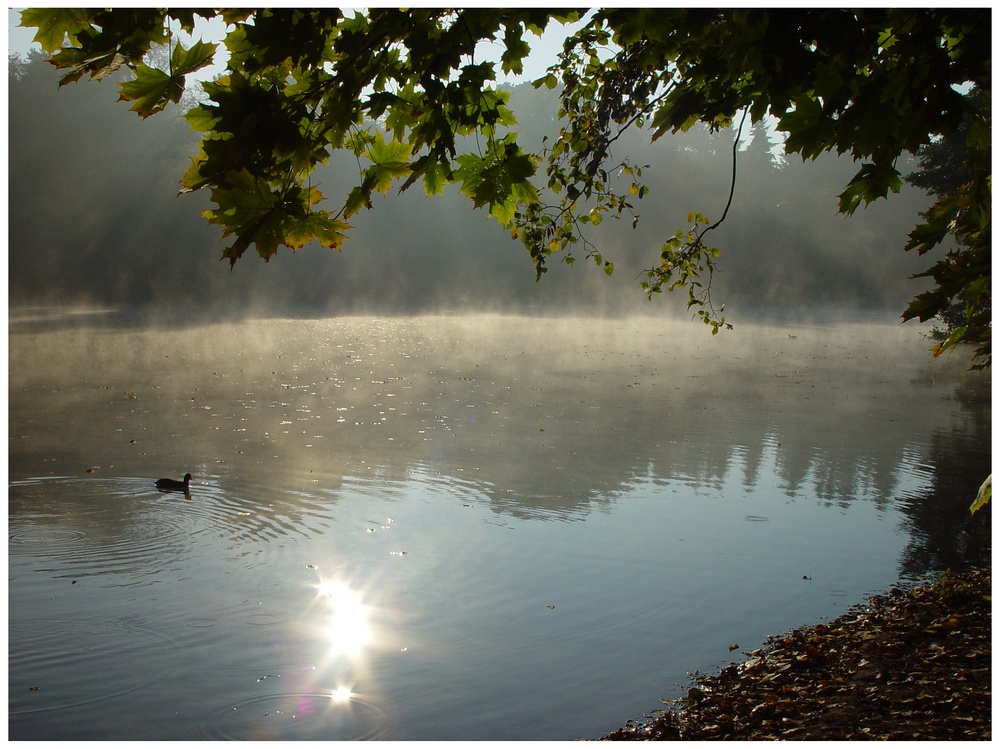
{"x":151,"y":90}
{"x":54,"y":25}
{"x":243,"y":201}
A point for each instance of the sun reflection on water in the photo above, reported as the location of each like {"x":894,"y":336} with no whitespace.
{"x":341,"y":695}
{"x":347,"y":628}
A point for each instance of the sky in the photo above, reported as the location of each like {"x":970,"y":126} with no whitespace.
{"x":18,"y":39}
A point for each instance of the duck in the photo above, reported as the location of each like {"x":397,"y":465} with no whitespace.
{"x":173,"y":484}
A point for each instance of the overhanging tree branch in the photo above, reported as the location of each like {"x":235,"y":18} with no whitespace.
{"x":869,"y":83}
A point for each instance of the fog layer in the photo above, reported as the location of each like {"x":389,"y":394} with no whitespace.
{"x":95,"y":219}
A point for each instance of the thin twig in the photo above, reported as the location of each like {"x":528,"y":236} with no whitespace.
{"x":731,"y":191}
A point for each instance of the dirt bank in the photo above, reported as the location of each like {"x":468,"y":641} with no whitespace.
{"x":914,"y":663}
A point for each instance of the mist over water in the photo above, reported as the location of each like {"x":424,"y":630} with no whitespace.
{"x":471,"y":526}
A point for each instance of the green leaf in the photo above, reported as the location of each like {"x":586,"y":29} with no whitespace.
{"x":328,"y":232}
{"x":389,"y":152}
{"x":243,"y":201}
{"x":925,"y":306}
{"x":870,"y":183}
{"x":357,"y":199}
{"x":434,"y":179}
{"x":391,"y":161}
{"x":494,"y":180}
{"x":185,"y":61}
{"x":202,"y":118}
{"x":470,"y":170}
{"x":504,"y":211}
{"x":549,"y":82}
{"x":318,"y":226}
{"x":809,"y":131}
{"x":55,"y":25}
{"x":979,"y":134}
{"x":269,"y":233}
{"x":151,"y":90}
{"x":382,"y":175}
{"x":516,"y":50}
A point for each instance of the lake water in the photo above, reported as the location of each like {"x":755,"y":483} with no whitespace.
{"x":476,"y":527}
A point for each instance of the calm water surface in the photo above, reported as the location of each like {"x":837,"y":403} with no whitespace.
{"x":454,"y":527}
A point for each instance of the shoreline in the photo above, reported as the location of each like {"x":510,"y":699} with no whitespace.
{"x":913,"y":663}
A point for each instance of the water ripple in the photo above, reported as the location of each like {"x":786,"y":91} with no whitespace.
{"x":59,"y":664}
{"x":294,"y":716}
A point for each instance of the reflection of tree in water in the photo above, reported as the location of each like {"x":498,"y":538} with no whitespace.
{"x":556,"y":438}
{"x":944,"y":534}
{"x":553,"y":421}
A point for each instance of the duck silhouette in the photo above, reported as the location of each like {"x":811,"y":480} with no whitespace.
{"x":174,"y":485}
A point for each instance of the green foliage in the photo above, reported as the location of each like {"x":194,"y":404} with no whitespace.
{"x":872,"y":84}
{"x":963,"y":274}
{"x":685,"y":259}
{"x":151,"y":90}
{"x":954,"y":169}
{"x":57,"y":27}
{"x":403,"y":92}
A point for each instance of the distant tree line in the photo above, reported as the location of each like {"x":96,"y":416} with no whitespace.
{"x":88,"y":226}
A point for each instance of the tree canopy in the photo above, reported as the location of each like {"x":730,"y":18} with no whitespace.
{"x":944,"y":167}
{"x":406,"y":94}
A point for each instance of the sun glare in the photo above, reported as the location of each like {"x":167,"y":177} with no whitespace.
{"x":340,"y":695}
{"x":347,"y":629}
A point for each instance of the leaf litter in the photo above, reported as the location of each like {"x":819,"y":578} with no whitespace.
{"x":914,"y":663}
